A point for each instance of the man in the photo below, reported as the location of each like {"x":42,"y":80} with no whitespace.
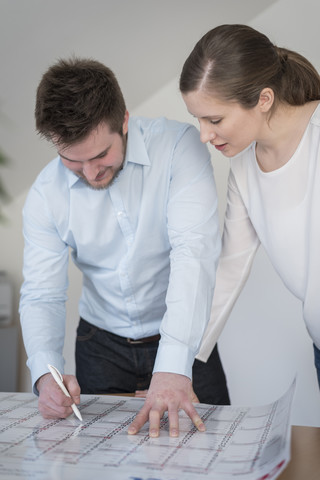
{"x":135,"y":201}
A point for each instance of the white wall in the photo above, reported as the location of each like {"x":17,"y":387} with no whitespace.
{"x":264,"y":343}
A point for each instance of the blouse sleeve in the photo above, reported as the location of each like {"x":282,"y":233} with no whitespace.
{"x":239,"y":246}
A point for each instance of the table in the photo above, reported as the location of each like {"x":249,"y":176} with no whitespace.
{"x":305,"y":455}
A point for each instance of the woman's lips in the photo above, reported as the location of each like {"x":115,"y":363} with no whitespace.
{"x":220,"y":147}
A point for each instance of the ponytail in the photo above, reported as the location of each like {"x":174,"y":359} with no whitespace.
{"x":236,"y":62}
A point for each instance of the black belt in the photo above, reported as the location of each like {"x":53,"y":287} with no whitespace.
{"x":153,"y":338}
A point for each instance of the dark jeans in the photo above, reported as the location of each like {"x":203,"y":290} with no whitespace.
{"x":317,"y":361}
{"x":107,"y":363}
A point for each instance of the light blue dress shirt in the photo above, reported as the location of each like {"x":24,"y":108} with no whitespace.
{"x":147,"y":247}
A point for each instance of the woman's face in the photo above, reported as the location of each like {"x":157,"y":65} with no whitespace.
{"x":225,"y":124}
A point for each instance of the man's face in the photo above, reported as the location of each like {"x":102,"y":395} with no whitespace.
{"x":98,"y":158}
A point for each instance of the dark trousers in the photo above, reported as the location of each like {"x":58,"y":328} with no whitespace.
{"x":317,"y":361}
{"x":107,"y":363}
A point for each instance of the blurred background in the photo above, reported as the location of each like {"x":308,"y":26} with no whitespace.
{"x":145,"y":42}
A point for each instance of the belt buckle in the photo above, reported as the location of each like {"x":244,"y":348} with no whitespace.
{"x":152,"y":338}
{"x":134,"y":342}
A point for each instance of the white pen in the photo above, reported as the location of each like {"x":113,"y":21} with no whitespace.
{"x":58,"y":378}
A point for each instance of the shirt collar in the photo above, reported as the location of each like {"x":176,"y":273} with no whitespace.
{"x":136,"y":148}
{"x":71,"y":177}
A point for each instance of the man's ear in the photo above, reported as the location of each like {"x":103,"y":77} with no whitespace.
{"x":266,"y":99}
{"x":125,"y":123}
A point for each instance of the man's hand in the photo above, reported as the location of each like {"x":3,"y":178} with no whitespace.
{"x":53,"y":403}
{"x":167,"y":391}
{"x":141,"y":393}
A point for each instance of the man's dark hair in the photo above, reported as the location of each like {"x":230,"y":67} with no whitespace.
{"x":74,"y":96}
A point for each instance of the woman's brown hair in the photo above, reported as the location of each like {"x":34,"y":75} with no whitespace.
{"x":236,"y":62}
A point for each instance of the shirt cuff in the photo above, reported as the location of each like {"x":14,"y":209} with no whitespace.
{"x":38,"y":366}
{"x":174,"y":358}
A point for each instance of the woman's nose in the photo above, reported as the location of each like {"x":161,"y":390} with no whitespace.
{"x":206,"y":133}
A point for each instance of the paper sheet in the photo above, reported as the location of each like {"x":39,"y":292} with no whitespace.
{"x":239,"y":443}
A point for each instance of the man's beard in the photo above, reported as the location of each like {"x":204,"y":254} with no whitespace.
{"x":103,"y":186}
{"x":115,"y":174}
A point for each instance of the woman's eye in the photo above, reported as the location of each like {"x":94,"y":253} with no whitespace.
{"x":215,"y":122}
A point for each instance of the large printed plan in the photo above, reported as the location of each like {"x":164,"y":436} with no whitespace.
{"x":240,"y":442}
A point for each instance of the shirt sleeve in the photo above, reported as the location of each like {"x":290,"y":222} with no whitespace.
{"x":193,"y":229}
{"x":239,"y":246}
{"x":43,"y":292}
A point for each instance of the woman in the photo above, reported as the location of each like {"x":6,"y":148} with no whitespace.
{"x":259,"y":105}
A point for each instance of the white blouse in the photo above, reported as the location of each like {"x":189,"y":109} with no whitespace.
{"x":280,"y":210}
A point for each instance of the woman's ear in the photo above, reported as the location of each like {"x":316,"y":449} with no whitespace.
{"x":266,"y":99}
{"x":125,"y":123}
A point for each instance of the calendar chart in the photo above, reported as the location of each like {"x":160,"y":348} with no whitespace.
{"x":239,"y":442}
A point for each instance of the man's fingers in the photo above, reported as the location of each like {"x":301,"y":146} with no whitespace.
{"x":173,"y":422}
{"x":151,"y":414}
{"x":140,"y":419}
{"x":154,"y":422}
{"x":195,"y":417}
{"x":199,"y":423}
{"x":167,"y":391}
{"x":154,"y":416}
{"x":50,"y":409}
{"x":53,"y":403}
{"x":194,"y":398}
{"x":141,"y":393}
